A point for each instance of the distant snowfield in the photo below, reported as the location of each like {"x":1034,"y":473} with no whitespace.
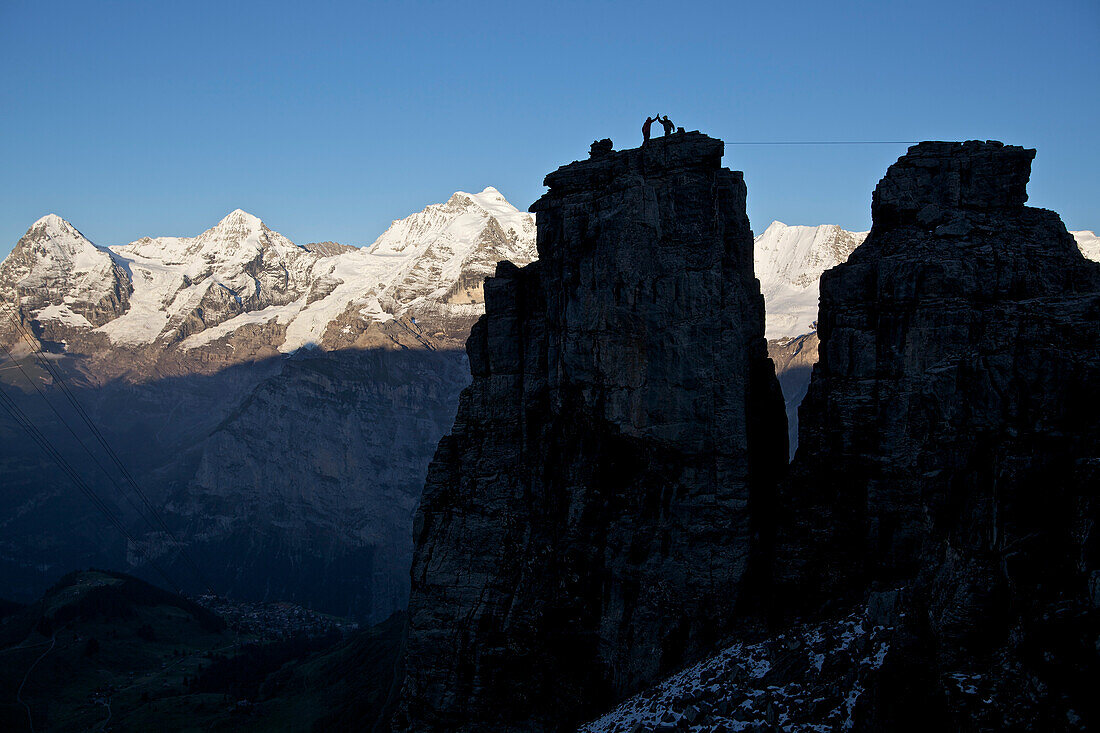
{"x":63,"y":314}
{"x":789,"y":262}
{"x":258,"y":276}
{"x":1088,"y":243}
{"x":240,"y":264}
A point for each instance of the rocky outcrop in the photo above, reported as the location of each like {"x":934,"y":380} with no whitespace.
{"x":587,"y":524}
{"x":949,"y":441}
{"x":811,"y":677}
{"x":328,"y":248}
{"x":791,"y":259}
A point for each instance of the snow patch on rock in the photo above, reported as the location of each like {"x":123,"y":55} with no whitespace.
{"x":773,"y":684}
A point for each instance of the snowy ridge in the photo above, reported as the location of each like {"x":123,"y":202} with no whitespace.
{"x":236,"y":266}
{"x":1088,"y":243}
{"x":468,"y":234}
{"x":196,"y":290}
{"x":789,"y":262}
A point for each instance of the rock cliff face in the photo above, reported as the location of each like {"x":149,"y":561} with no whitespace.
{"x":793,"y":297}
{"x":948,"y":455}
{"x":587,"y":524}
{"x":794,"y":360}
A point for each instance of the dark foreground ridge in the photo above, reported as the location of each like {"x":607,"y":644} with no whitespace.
{"x":587,"y":526}
{"x":936,"y":557}
{"x":949,"y":448}
{"x":107,"y":651}
{"x":613,"y":502}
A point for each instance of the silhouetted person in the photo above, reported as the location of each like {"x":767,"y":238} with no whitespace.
{"x":646,"y":126}
{"x":667,"y":124}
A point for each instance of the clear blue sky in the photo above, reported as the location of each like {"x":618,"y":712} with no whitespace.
{"x":328,"y":120}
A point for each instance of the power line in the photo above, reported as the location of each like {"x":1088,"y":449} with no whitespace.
{"x":163,"y":526}
{"x":63,"y":383}
{"x":36,"y":435}
{"x":72,"y":432}
{"x":824,"y":142}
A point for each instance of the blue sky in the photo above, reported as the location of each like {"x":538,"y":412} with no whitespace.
{"x":328,"y":120}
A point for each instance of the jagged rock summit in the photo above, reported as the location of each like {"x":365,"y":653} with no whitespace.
{"x":948,"y":445}
{"x":587,"y":524}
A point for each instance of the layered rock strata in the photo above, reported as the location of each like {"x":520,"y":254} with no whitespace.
{"x":949,"y":444}
{"x":587,"y":524}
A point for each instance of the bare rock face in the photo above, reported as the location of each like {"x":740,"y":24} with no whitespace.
{"x":949,"y":442}
{"x":794,"y":360}
{"x":328,"y":248}
{"x":587,"y":524}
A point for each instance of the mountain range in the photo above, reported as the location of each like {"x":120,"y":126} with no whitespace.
{"x":280,"y":402}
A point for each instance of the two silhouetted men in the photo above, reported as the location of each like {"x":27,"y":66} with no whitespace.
{"x":665,"y":123}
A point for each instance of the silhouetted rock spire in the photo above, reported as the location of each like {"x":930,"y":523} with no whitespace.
{"x":587,"y":525}
{"x":948,"y":445}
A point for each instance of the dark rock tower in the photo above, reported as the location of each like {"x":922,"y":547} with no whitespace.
{"x":587,"y":525}
{"x":949,"y":445}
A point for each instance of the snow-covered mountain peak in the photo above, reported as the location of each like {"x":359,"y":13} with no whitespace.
{"x":239,"y":228}
{"x":463,"y":218}
{"x":789,"y":262}
{"x":489,"y":199}
{"x":53,"y":222}
{"x":234,"y":241}
{"x":1088,"y":243}
{"x":239,"y":220}
{"x":53,"y":227}
{"x":56,"y":274}
{"x":54,"y":246}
